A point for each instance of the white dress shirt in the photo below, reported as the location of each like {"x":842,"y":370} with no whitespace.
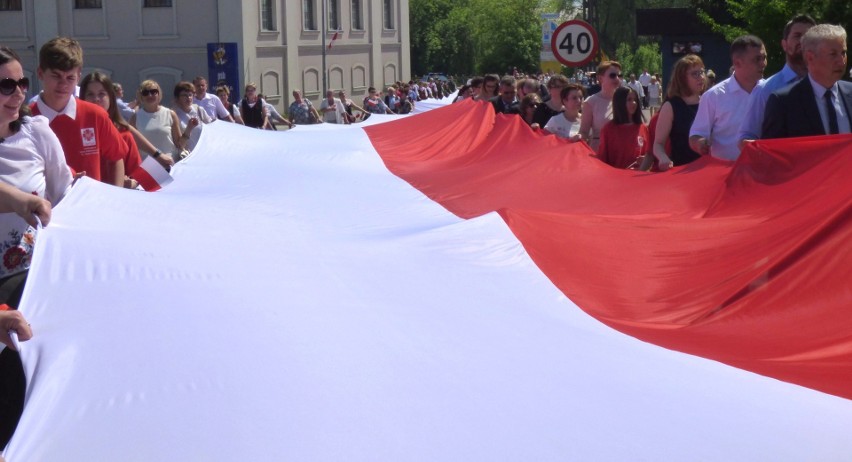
{"x":212,"y":105}
{"x":720,"y":115}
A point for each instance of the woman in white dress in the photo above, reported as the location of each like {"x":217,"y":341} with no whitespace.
{"x":33,"y":173}
{"x":158,"y":124}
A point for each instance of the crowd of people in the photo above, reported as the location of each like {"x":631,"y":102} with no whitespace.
{"x":695,"y":116}
{"x":101,"y":136}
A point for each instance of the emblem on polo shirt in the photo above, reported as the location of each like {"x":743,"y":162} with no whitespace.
{"x":88,"y":135}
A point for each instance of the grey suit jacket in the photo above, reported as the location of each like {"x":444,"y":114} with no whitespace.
{"x":792,"y":111}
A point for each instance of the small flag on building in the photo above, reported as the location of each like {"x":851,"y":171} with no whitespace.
{"x":333,"y":38}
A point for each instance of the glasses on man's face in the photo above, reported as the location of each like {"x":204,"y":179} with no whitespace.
{"x":8,"y":86}
{"x":614,"y":75}
{"x":185,"y":95}
{"x":697,"y":74}
{"x":150,"y":92}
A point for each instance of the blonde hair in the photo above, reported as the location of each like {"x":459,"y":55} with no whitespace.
{"x":146,"y":84}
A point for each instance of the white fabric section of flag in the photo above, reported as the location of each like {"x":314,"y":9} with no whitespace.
{"x":156,"y":171}
{"x":429,"y":104}
{"x":287,"y":298}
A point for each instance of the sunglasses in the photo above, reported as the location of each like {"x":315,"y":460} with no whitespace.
{"x":149,"y":92}
{"x":614,"y":75}
{"x":185,"y":95}
{"x":7,"y":86}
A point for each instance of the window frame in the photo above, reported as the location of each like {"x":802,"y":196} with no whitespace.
{"x":357,"y":16}
{"x":268,"y":14}
{"x":309,"y":18}
{"x":11,"y":5}
{"x":157,"y":4}
{"x":388,"y":22}
{"x":81,"y":4}
{"x":333,"y":12}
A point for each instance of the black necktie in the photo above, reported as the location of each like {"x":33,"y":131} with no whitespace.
{"x":832,"y":114}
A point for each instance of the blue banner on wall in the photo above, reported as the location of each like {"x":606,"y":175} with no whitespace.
{"x":223,"y":68}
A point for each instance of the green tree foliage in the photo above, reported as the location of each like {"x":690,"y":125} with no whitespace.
{"x":766,"y":19}
{"x":624,"y":56}
{"x":647,"y":56}
{"x":474,"y":36}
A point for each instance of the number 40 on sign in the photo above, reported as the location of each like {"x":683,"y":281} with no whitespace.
{"x":574,"y":43}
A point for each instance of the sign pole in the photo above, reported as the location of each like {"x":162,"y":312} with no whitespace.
{"x":322,"y":29}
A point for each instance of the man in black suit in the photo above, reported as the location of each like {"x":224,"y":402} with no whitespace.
{"x":819,"y":104}
{"x":505,"y":102}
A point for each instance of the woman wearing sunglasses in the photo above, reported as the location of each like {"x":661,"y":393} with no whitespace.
{"x":597,"y":109}
{"x":157,"y":123}
{"x":31,"y":160}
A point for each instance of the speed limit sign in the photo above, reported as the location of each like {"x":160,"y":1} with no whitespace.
{"x":574,"y":43}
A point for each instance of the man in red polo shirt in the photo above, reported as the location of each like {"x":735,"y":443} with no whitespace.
{"x":84,"y":130}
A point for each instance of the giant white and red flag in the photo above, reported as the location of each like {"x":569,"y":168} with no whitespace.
{"x":445,"y":286}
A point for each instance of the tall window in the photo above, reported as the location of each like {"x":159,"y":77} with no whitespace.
{"x":11,"y":5}
{"x":83,"y":4}
{"x":357,"y":21}
{"x":333,"y":14}
{"x":309,"y":21}
{"x":157,"y":3}
{"x":388,"y":13}
{"x":267,"y":15}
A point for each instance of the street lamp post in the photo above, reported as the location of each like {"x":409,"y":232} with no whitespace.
{"x":322,"y":29}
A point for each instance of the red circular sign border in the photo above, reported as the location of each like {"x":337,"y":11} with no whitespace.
{"x":595,"y":48}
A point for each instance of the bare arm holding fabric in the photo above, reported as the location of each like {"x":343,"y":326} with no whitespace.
{"x":14,"y":320}
{"x":663,"y":131}
{"x":181,"y":138}
{"x":23,"y":204}
{"x":144,"y":145}
{"x":587,"y":117}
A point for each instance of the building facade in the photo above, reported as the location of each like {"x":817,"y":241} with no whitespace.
{"x":279,"y":42}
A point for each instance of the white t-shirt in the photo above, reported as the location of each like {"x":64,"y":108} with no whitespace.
{"x":32,"y":161}
{"x":562,"y":127}
{"x":185,"y":117}
{"x":212,"y":105}
{"x":336,"y":116}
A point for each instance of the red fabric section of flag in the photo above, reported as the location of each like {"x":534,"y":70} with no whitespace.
{"x":747,"y":263}
{"x":333,"y":38}
{"x":145,"y":180}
